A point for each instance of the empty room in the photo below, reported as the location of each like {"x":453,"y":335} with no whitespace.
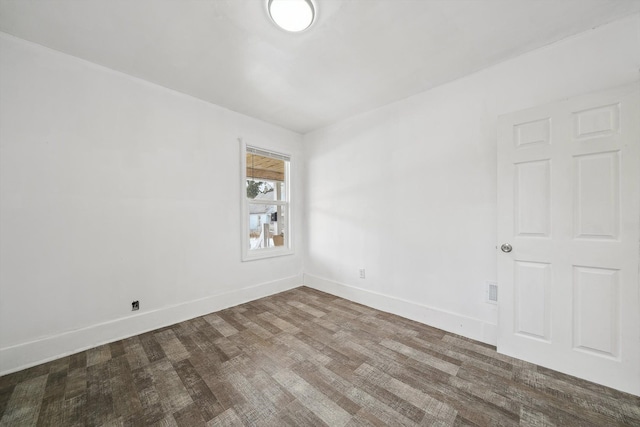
{"x":320,"y":213}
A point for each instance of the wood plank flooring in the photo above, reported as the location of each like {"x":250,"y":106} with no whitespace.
{"x":300,"y":358}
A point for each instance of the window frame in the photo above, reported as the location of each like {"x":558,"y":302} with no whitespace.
{"x":274,"y":251}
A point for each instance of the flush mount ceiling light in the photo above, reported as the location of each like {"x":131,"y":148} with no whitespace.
{"x":292,"y":15}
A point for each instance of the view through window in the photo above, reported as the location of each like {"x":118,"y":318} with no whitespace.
{"x":266,"y":201}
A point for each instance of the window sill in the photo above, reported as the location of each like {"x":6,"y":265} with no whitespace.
{"x":265,"y":253}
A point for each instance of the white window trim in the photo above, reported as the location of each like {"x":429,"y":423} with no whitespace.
{"x":251,"y":255}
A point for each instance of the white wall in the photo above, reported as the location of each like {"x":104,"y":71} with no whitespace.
{"x":408,"y":191}
{"x":113,"y":189}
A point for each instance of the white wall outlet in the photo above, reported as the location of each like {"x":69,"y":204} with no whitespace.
{"x":362,"y":273}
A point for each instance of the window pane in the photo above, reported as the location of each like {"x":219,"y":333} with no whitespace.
{"x":267,"y":226}
{"x":266,"y":190}
{"x":265,"y":177}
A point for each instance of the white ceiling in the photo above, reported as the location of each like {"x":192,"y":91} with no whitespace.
{"x":359,"y":54}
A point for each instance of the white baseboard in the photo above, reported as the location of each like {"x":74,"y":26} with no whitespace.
{"x":26,"y":355}
{"x":441,"y":319}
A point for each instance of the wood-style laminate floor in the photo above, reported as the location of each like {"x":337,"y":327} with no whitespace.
{"x":298,"y":358}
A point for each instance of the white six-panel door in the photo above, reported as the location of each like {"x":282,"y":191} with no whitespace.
{"x":568,"y":205}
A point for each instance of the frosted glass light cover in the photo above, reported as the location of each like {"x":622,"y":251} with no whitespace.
{"x":292,"y":15}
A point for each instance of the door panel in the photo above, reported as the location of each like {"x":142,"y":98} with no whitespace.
{"x":597,"y":195}
{"x":568,"y":199}
{"x":533,"y":202}
{"x":596,"y":292}
{"x":532,"y":281}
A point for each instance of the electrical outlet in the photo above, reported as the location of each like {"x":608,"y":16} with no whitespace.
{"x":362,"y":273}
{"x":135,"y":305}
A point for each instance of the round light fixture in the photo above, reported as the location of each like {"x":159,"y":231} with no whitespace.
{"x":292,"y":15}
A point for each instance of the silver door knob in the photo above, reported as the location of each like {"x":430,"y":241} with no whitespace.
{"x":506,"y":248}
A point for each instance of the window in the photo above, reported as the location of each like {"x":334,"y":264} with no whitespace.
{"x":266,"y":229}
